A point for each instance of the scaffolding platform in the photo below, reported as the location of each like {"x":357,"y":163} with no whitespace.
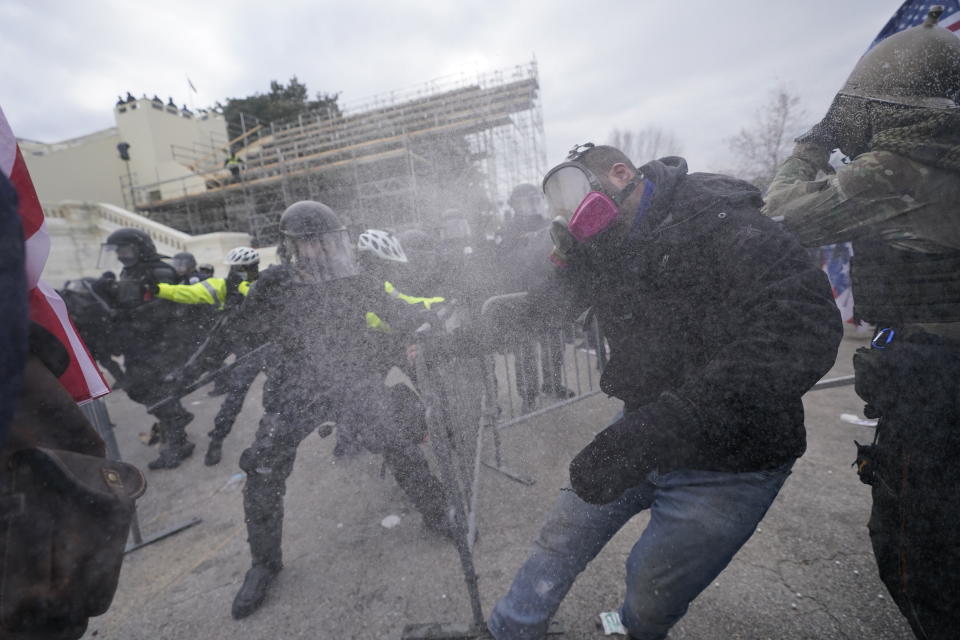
{"x":394,"y":160}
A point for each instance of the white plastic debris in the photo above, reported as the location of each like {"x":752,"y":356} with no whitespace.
{"x":857,"y":420}
{"x":610,"y":621}
{"x":234,"y":481}
{"x":390,"y":521}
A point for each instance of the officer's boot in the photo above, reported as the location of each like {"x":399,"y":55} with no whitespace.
{"x":264,"y":538}
{"x":174,"y":447}
{"x":214,"y":451}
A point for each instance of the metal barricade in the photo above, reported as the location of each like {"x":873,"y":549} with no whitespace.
{"x":548,"y":369}
{"x":470,"y":386}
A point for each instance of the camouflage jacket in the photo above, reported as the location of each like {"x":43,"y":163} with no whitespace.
{"x":907,"y":204}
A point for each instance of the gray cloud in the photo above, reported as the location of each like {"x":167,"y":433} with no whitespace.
{"x":699,"y":68}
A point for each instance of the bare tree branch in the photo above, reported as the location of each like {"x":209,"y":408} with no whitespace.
{"x":762,"y":148}
{"x":646,"y":144}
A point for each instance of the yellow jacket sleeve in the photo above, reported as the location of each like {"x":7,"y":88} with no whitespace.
{"x":210,"y":291}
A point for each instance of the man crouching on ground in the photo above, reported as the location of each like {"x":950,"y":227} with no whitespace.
{"x":717,"y":322}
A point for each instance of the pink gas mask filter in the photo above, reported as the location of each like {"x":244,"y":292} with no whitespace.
{"x":596,"y":213}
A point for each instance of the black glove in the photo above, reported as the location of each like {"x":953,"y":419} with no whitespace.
{"x":233,"y":280}
{"x":619,"y":458}
{"x":874,"y":382}
{"x":820,"y":134}
{"x":914,"y":364}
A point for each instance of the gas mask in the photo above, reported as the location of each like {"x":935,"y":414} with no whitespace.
{"x":582,"y":207}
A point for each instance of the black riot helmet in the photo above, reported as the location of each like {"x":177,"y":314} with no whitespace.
{"x":309,"y":218}
{"x":315,"y":243}
{"x":184,"y":263}
{"x":128,"y":247}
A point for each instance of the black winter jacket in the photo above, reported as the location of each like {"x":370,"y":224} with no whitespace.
{"x":718,"y":323}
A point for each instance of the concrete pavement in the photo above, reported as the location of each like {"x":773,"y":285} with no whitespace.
{"x":807,"y":573}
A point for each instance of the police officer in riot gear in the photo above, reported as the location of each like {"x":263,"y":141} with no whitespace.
{"x":897,"y":119}
{"x":148,"y":336}
{"x":224,"y":295}
{"x":331,"y":325}
{"x":185,"y":264}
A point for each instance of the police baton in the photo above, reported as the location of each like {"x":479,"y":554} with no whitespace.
{"x":213,"y":375}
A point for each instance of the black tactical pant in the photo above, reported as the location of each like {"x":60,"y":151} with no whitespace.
{"x":144,"y":385}
{"x":269,"y":461}
{"x":238,"y":383}
{"x":915,"y":521}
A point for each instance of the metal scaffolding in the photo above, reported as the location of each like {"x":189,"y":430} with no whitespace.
{"x":395,"y":159}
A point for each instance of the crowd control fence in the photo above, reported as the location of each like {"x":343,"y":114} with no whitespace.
{"x":475,"y":380}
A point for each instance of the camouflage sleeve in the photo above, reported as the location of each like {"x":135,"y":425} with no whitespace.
{"x":840,"y":207}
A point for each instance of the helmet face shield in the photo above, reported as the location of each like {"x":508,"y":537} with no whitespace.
{"x":324,"y":257}
{"x":114,"y":257}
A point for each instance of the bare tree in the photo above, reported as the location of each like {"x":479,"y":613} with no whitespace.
{"x":760,"y":149}
{"x":646,"y":144}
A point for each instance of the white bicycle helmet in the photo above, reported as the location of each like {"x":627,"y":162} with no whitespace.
{"x":242,"y":256}
{"x":382,"y":244}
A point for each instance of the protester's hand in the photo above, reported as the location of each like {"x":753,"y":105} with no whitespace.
{"x":619,"y":458}
{"x":816,"y":145}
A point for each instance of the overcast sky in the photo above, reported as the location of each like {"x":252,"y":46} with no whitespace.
{"x":699,"y":69}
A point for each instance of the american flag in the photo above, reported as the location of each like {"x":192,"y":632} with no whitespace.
{"x":913,"y":13}
{"x":82,"y":378}
{"x":835,"y":259}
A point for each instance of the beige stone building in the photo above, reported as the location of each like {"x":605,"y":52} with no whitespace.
{"x":168,"y":147}
{"x":85,"y":187}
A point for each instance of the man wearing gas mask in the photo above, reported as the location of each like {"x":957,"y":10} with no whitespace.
{"x":898,"y":200}
{"x":149,"y":336}
{"x":717,"y":323}
{"x":328,"y":321}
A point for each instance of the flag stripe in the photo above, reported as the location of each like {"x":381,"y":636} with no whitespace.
{"x":31,"y":213}
{"x":37,"y":250}
{"x":82,"y":379}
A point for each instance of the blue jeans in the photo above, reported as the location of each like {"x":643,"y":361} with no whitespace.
{"x":698,"y":521}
